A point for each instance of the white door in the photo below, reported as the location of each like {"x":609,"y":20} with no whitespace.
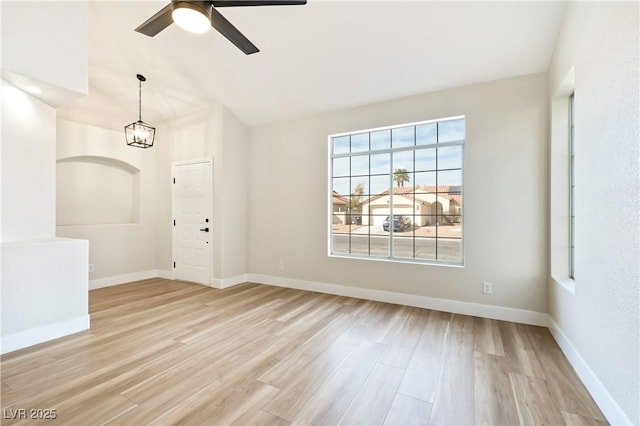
{"x":192,"y":227}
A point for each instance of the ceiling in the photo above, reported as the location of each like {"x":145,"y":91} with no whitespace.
{"x":326,"y":55}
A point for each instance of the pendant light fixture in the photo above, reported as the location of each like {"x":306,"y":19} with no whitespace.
{"x":138,"y":133}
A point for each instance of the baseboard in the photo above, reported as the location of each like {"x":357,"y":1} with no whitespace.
{"x":127,"y":278}
{"x":33,"y":336}
{"x":446,"y":305}
{"x":229,"y":282}
{"x":167,"y":275}
{"x":600,"y":394}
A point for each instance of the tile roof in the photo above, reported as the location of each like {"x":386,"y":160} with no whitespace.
{"x":447,"y":191}
{"x":338,"y":199}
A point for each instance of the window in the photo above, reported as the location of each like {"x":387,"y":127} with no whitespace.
{"x":572,"y":186}
{"x":396,"y":192}
{"x":562,"y":172}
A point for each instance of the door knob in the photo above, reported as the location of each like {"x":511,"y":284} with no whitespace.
{"x":205,"y":229}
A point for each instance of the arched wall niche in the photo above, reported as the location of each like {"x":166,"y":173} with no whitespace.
{"x":95,"y":190}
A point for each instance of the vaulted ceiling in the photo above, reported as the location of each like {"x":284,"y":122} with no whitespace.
{"x":326,"y":55}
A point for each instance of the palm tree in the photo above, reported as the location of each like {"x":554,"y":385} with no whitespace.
{"x":401,"y":176}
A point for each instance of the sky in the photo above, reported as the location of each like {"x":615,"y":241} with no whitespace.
{"x":427,"y":165}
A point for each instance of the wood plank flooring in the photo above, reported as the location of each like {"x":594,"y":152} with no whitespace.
{"x":165,"y":352}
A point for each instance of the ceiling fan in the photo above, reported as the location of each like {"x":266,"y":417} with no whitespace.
{"x":199,"y":16}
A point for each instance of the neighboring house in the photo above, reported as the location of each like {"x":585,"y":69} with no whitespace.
{"x":426,"y":205}
{"x":343,"y":212}
{"x":339,"y":204}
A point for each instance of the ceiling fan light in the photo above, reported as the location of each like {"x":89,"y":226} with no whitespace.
{"x":191,"y":17}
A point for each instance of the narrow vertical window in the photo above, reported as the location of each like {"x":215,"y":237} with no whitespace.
{"x":572,"y":186}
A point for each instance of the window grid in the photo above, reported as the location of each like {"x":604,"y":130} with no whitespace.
{"x":364,"y":226}
{"x":572,"y":185}
{"x":437,"y":181}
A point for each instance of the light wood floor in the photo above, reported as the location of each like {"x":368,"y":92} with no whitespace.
{"x":165,"y":352}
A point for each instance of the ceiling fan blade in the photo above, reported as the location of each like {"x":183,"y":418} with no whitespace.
{"x":232,"y":34}
{"x":235,"y":3}
{"x":157,"y":22}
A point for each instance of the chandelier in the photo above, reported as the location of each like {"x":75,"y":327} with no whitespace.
{"x":138,"y":133}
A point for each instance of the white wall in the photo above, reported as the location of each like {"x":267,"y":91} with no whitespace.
{"x":44,"y":293}
{"x":28,"y":166}
{"x":46,"y":44}
{"x":127,"y":247}
{"x":96,"y":190}
{"x":44,"y":279}
{"x":234,"y":261}
{"x":505,"y":168}
{"x":599,"y":321}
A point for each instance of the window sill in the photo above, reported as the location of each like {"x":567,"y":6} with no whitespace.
{"x":398,"y":260}
{"x":569,"y":284}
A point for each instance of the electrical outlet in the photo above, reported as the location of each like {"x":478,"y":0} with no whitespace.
{"x":487,"y":288}
{"x":280,"y":265}
{"x":91,"y":267}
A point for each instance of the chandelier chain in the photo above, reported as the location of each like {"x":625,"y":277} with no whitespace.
{"x":139,"y":100}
